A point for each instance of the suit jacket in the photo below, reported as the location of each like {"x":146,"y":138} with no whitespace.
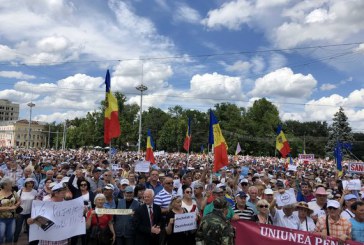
{"x":143,"y":227}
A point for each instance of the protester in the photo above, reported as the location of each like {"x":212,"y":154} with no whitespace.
{"x":187,"y":202}
{"x":214,"y":230}
{"x":153,"y":182}
{"x":103,"y":222}
{"x":125,"y":234}
{"x":9,"y":201}
{"x":110,"y":200}
{"x":26,"y":194}
{"x":147,"y":221}
{"x":304,"y":213}
{"x":357,"y":223}
{"x":262,"y":215}
{"x":95,"y":181}
{"x":348,"y":213}
{"x":337,"y":227}
{"x":177,"y":238}
{"x":318,"y":206}
{"x":163,"y":198}
{"x":285,"y":217}
{"x":138,"y":193}
{"x":241,"y":209}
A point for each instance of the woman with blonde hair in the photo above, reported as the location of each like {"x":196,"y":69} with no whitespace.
{"x":263,"y":213}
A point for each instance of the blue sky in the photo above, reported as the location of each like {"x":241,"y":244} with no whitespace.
{"x":304,"y":56}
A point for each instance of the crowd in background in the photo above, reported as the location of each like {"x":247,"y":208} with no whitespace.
{"x":177,"y":183}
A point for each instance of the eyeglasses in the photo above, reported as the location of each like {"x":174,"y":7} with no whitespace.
{"x":263,"y":206}
{"x":168,"y":183}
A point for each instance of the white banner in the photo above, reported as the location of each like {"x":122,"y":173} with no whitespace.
{"x":184,"y":222}
{"x":67,"y":217}
{"x":356,"y":167}
{"x":286,"y":198}
{"x":113,"y":211}
{"x":142,"y":166}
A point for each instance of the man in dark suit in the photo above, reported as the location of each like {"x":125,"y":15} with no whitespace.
{"x":147,"y":221}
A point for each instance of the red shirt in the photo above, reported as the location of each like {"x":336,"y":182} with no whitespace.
{"x":103,"y":220}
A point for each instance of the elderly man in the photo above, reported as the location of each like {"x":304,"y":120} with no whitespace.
{"x":27,"y":173}
{"x":125,"y":233}
{"x":96,"y":183}
{"x":147,"y":221}
{"x":110,"y":201}
{"x":286,"y":217}
{"x":337,"y":226}
{"x":153,"y":182}
{"x":241,"y":209}
{"x":318,"y":205}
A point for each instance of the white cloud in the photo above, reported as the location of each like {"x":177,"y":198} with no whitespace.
{"x":284,"y":83}
{"x":6,"y":53}
{"x":360,"y":48}
{"x":319,"y":16}
{"x":59,"y":117}
{"x":187,"y":14}
{"x":327,"y":86}
{"x":17,"y":96}
{"x":38,"y":87}
{"x":230,"y":15}
{"x":15,"y":74}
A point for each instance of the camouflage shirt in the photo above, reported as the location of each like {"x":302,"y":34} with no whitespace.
{"x":215,"y":230}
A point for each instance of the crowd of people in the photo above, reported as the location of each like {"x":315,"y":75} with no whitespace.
{"x":246,"y":190}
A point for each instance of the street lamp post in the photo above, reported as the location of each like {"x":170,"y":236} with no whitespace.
{"x":140,"y":88}
{"x":31,"y":105}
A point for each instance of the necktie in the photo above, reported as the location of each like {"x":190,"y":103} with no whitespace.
{"x":151,"y":215}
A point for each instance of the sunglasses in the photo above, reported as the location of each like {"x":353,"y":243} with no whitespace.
{"x":263,"y":206}
{"x":168,"y":183}
{"x":83,"y":184}
{"x":188,"y":192}
{"x":176,"y":177}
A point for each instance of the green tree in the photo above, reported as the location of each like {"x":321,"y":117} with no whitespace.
{"x":340,"y":131}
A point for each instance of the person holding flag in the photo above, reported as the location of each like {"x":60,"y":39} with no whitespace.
{"x":150,"y":146}
{"x":281,"y":142}
{"x":111,"y":120}
{"x":218,"y":141}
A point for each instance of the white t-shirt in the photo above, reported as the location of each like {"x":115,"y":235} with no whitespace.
{"x":26,"y":199}
{"x":292,"y":222}
{"x":190,"y":207}
{"x":347,"y":214}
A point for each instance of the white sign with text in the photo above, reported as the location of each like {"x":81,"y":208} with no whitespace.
{"x":185,"y":222}
{"x":286,"y":198}
{"x":142,"y":166}
{"x":67,"y":217}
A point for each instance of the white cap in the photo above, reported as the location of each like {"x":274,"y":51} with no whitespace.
{"x":268,"y":192}
{"x":333,"y":203}
{"x":124,"y":182}
{"x":244,"y":181}
{"x":57,"y":187}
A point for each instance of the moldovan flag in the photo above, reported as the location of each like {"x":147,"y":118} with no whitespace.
{"x":282,"y":143}
{"x":111,"y":120}
{"x":187,"y":143}
{"x":150,"y":146}
{"x":217,"y":140}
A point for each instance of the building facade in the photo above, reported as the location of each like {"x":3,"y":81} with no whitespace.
{"x":8,"y":111}
{"x":16,"y":134}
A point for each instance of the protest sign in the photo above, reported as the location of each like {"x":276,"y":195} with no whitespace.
{"x":184,"y":222}
{"x":292,"y":167}
{"x":67,"y":217}
{"x":113,"y":211}
{"x":356,"y":167}
{"x":307,"y":157}
{"x":286,"y":198}
{"x":115,"y":167}
{"x":353,"y":184}
{"x":251,"y":233}
{"x":142,"y":166}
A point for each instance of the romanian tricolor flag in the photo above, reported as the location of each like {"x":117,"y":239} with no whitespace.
{"x":111,"y":120}
{"x":217,"y":140}
{"x":150,"y":146}
{"x":187,"y":143}
{"x":282,"y":143}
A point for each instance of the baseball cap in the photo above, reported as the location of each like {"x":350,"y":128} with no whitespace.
{"x":109,"y":187}
{"x":244,"y":181}
{"x":349,"y":197}
{"x":241,"y":194}
{"x":124,"y":182}
{"x":268,"y":191}
{"x":217,"y":190}
{"x":129,"y":189}
{"x":333,"y":203}
{"x":95,"y":170}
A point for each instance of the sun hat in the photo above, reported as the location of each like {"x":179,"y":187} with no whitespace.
{"x":305,"y":206}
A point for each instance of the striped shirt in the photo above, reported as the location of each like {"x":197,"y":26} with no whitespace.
{"x":163,"y":199}
{"x":246,"y":214}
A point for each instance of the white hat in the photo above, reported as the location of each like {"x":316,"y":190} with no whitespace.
{"x":244,"y":181}
{"x":109,"y":187}
{"x":124,"y":182}
{"x":220,"y":185}
{"x":268,"y":191}
{"x":57,"y":187}
{"x":333,"y":203}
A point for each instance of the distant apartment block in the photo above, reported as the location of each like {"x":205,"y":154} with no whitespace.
{"x":16,"y":134}
{"x":8,"y":111}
